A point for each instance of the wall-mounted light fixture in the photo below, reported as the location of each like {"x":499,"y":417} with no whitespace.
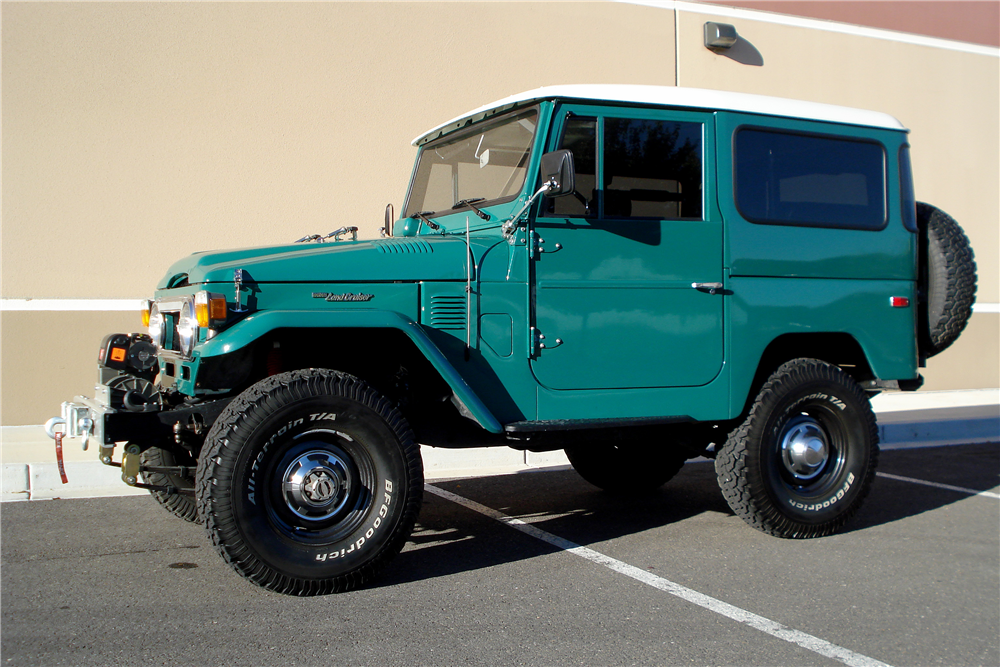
{"x":719,"y":35}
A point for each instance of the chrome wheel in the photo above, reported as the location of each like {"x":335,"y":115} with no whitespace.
{"x":317,"y":485}
{"x":805,"y":448}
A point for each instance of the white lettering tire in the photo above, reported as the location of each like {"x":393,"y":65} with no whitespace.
{"x":804,"y":459}
{"x":309,"y":482}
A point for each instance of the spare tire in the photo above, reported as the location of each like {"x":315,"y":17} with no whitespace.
{"x":947,"y":280}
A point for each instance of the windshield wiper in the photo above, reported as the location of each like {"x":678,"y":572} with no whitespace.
{"x":471,"y":204}
{"x":422,"y":215}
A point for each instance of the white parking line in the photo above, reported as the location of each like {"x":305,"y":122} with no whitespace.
{"x":960,"y":489}
{"x":802,"y":639}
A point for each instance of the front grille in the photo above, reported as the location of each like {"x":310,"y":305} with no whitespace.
{"x":170,"y":320}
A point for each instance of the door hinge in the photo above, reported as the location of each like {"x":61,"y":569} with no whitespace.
{"x":536,"y":245}
{"x":537,"y":342}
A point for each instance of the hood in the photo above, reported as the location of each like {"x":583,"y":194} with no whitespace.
{"x":389,"y":259}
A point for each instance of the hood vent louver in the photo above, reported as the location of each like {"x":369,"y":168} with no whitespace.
{"x":448,"y":312}
{"x":403,"y":247}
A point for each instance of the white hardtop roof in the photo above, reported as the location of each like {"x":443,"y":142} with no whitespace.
{"x":673,"y":96}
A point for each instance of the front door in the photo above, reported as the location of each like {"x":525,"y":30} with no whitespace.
{"x":614,"y":302}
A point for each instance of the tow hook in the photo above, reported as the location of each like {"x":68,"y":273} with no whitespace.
{"x":76,"y":422}
{"x":55,"y":428}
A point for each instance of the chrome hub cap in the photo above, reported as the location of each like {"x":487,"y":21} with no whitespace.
{"x":804,"y":448}
{"x":316,"y":485}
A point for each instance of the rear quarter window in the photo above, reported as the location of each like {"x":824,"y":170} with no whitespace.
{"x":785,"y":178}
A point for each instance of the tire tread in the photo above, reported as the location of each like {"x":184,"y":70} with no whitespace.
{"x":948,"y":280}
{"x":248,"y":411}
{"x":180,"y":505}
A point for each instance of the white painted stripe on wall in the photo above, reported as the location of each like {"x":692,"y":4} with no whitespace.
{"x":135,"y":305}
{"x":765,"y":625}
{"x":818,"y":24}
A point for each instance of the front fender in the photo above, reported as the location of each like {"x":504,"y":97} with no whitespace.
{"x":260,"y":324}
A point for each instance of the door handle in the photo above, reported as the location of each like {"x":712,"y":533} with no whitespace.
{"x":711,"y":288}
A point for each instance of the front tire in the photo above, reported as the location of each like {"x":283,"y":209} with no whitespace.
{"x":310,"y":482}
{"x":804,"y":459}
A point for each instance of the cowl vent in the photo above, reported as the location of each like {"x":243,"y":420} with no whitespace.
{"x":403,"y":246}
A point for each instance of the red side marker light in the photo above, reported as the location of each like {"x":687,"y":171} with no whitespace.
{"x":899,"y":301}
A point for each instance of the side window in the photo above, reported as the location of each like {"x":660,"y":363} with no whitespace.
{"x":652,"y":169}
{"x":809,"y":180}
{"x":580,"y":136}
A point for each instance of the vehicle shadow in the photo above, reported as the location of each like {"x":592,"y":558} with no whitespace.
{"x":450,"y":539}
{"x":972,"y":467}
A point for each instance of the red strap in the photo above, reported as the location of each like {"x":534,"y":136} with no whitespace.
{"x":59,"y":457}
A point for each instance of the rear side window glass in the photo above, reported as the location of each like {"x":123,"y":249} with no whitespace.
{"x":809,"y":180}
{"x":652,"y":169}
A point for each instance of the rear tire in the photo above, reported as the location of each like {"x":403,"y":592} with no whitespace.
{"x":804,"y":459}
{"x":625,"y":466}
{"x":310,"y":482}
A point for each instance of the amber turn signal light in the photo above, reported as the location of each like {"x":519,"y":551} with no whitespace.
{"x":209,"y":308}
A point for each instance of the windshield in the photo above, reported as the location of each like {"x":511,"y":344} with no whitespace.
{"x":486,"y":164}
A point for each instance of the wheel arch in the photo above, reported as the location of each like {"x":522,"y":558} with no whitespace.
{"x":352,"y":340}
{"x":837,"y":348}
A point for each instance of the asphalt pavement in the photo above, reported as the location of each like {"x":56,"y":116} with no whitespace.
{"x":536,"y":568}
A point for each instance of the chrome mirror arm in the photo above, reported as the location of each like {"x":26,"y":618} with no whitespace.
{"x":511,"y":223}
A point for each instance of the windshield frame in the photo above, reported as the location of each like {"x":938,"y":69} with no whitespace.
{"x":471,"y":131}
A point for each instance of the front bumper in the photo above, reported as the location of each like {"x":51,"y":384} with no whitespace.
{"x":177,"y":429}
{"x":96,"y":421}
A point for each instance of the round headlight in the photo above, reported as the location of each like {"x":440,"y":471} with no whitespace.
{"x":156,"y":328}
{"x":187,"y":329}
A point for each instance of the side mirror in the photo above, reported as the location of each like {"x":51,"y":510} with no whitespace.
{"x":559,"y":173}
{"x":390,"y":217}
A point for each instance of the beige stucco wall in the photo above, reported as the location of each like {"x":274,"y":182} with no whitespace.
{"x":135,"y":133}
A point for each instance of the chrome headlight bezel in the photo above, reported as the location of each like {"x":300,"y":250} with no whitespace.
{"x":157,"y":326}
{"x":187,"y":328}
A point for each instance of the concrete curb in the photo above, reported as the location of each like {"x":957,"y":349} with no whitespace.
{"x":905,"y":421}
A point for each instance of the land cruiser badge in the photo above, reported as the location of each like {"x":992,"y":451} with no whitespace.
{"x":343,"y":297}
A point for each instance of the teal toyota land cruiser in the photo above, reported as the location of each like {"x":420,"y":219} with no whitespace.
{"x":637,"y":275}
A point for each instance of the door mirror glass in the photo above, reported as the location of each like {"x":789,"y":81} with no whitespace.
{"x":558,"y":172}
